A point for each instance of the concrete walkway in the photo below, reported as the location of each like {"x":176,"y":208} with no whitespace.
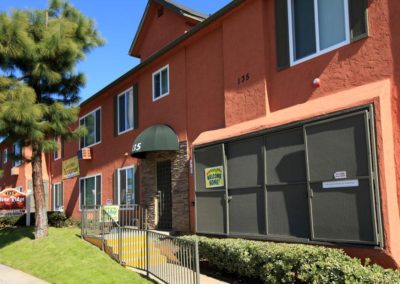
{"x":9,"y":275}
{"x":204,"y":279}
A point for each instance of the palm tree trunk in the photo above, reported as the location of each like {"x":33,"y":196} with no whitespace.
{"x":41,"y":226}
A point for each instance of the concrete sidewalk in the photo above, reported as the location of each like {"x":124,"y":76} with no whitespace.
{"x":10,"y":275}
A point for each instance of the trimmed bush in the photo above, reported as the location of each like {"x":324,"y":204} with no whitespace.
{"x":289,"y":263}
{"x":8,"y":221}
{"x":55,"y":219}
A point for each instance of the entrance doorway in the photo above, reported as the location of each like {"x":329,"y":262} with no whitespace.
{"x":164,"y":195}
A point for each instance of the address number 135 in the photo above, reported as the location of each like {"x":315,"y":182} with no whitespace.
{"x":136,"y":147}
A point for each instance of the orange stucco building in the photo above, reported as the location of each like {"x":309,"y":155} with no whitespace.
{"x":293,"y":104}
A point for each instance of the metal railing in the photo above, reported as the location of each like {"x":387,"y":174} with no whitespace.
{"x":171,"y":259}
{"x":90,"y":221}
{"x":128,"y":241}
{"x":132,"y":216}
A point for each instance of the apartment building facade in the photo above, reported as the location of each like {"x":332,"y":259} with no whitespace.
{"x":272,"y":120}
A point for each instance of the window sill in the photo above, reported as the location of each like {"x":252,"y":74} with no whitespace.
{"x":312,"y":56}
{"x":90,"y":146}
{"x":126,"y":131}
{"x":160,"y":97}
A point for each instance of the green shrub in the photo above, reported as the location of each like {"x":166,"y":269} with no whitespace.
{"x":8,"y":221}
{"x":289,"y":263}
{"x":57,"y":219}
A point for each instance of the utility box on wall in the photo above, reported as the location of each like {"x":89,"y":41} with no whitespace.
{"x":85,"y":154}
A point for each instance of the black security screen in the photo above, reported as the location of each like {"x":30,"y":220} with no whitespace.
{"x":340,"y":180}
{"x":246,"y":186}
{"x":211,"y":204}
{"x":312,"y":182}
{"x":287,"y":200}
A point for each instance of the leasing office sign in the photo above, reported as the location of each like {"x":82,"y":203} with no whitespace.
{"x":12,"y":199}
{"x":70,"y":168}
{"x":214,"y":177}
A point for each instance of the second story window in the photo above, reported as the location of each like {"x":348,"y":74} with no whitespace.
{"x":316,"y":27}
{"x":92,"y":122}
{"x":125,"y":111}
{"x":161,"y":83}
{"x":5,"y":156}
{"x":17,"y":153}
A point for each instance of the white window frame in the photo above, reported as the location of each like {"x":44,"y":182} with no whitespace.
{"x":93,"y":112}
{"x":61,"y":209}
{"x":318,"y":52}
{"x":19,"y":188}
{"x":95,"y":183}
{"x":5,"y":156}
{"x":128,"y":91}
{"x":16,"y":163}
{"x":119,"y":182}
{"x":166,"y":67}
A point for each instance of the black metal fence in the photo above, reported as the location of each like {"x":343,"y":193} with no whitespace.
{"x":128,"y":241}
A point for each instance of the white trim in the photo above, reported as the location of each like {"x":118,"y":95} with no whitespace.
{"x":119,"y":181}
{"x":133,"y":125}
{"x":101,"y":122}
{"x":95,"y":183}
{"x":54,"y":195}
{"x":291,"y":34}
{"x":316,"y":21}
{"x":318,"y":52}
{"x":166,"y":67}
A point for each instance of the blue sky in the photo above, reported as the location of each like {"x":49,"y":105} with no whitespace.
{"x":117,"y":21}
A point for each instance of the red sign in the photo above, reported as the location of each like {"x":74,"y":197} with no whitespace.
{"x":11,"y":199}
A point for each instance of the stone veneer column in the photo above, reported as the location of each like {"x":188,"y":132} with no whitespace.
{"x":180,"y":189}
{"x":179,"y":186}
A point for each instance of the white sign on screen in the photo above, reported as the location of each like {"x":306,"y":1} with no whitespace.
{"x":341,"y":184}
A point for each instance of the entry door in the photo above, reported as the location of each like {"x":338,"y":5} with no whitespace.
{"x":340,"y":180}
{"x":164,"y":194}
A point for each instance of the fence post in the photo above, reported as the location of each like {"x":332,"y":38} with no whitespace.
{"x":102,"y":227}
{"x":120,"y":244}
{"x":147,"y":252}
{"x":146,"y":225}
{"x":197,"y":261}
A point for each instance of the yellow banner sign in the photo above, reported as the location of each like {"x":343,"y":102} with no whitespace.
{"x":214,"y":177}
{"x":70,"y":168}
{"x":112,"y":211}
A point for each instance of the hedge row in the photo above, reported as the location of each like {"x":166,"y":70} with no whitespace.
{"x":289,"y":263}
{"x":55,"y":219}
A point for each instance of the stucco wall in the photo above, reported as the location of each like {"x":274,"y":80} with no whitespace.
{"x":205,"y":95}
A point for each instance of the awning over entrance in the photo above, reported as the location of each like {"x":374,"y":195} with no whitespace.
{"x":155,"y":138}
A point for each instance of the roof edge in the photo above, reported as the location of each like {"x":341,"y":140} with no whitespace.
{"x":214,"y":17}
{"x":173,"y":7}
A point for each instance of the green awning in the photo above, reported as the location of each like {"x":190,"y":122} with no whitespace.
{"x":155,"y":138}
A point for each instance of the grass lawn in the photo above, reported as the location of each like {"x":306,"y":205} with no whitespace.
{"x":61,"y":258}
